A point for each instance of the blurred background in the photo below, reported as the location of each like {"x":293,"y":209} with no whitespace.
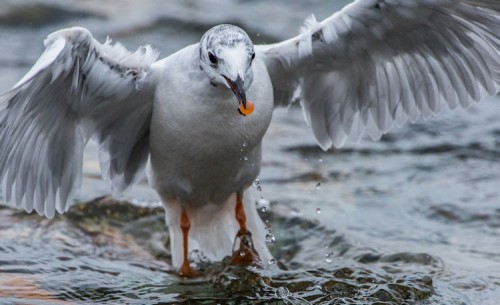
{"x":413,"y":218}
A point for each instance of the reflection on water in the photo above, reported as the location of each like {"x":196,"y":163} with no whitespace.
{"x":414,"y":217}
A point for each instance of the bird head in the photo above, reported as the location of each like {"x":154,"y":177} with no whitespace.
{"x":226,"y":55}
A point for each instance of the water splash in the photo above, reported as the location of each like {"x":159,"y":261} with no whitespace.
{"x":329,"y":257}
{"x":263,"y":204}
{"x":282,"y":292}
{"x":269,"y":235}
{"x":256,"y":184}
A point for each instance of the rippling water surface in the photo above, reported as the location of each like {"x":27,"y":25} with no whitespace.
{"x":412,"y":219}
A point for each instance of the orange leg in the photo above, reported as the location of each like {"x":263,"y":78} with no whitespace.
{"x":246,"y":254}
{"x":240,"y":215}
{"x":185,"y":270}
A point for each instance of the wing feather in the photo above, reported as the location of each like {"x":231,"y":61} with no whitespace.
{"x":77,"y":89}
{"x":380,"y":63}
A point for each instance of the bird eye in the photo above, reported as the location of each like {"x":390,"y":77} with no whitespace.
{"x":212,"y":58}
{"x":253,"y":55}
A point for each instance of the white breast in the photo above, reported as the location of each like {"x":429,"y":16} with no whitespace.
{"x":202,"y":149}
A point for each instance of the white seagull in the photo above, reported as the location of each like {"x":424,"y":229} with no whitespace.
{"x":187,"y":120}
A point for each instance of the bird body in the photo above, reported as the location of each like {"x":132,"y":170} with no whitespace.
{"x":202,"y":149}
{"x":373,"y":65}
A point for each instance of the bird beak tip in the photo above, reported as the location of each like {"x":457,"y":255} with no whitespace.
{"x":238,"y":88}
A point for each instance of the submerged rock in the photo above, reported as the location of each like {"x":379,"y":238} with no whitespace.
{"x":110,"y":251}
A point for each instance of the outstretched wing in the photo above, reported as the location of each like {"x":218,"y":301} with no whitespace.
{"x":380,"y":62}
{"x":78,"y":88}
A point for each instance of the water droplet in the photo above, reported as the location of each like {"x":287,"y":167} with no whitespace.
{"x":256,"y":182}
{"x":282,"y":292}
{"x":245,"y":158}
{"x":318,"y":211}
{"x":272,"y":261}
{"x":242,"y":253}
{"x":320,"y":160}
{"x":263,"y":202}
{"x":318,"y":186}
{"x":270,"y":237}
{"x":258,"y":34}
{"x":245,"y":144}
{"x":329,"y":257}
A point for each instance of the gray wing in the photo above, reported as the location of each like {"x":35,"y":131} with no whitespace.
{"x":77,"y":89}
{"x":377,"y":63}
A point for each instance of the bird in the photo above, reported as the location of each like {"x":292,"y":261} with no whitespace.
{"x":193,"y":122}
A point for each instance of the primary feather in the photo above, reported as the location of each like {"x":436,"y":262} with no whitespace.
{"x":78,"y":88}
{"x":377,"y":63}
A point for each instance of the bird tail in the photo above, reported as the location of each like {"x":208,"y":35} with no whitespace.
{"x":214,"y":228}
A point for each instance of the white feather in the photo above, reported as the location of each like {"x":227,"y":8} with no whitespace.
{"x":78,"y":88}
{"x":390,"y":61}
{"x":213,"y":229}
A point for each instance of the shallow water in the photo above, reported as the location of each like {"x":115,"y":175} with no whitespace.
{"x":414,"y":218}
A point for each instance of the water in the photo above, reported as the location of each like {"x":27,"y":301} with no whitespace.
{"x":414,"y":218}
